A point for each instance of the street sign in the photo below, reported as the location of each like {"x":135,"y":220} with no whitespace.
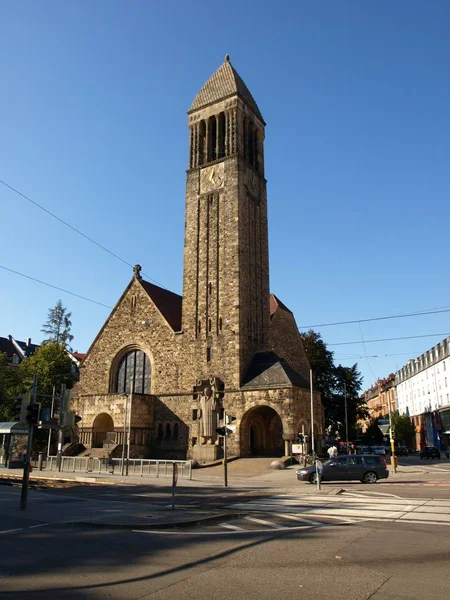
{"x":175,"y":474}
{"x":297,"y":448}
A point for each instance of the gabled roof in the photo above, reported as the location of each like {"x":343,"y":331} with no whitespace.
{"x":276,"y":303}
{"x":28,"y":349}
{"x":7,"y":347}
{"x":268,"y":371}
{"x":224,"y":83}
{"x":168,"y":303}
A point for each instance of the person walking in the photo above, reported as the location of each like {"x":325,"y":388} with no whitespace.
{"x":332,"y":451}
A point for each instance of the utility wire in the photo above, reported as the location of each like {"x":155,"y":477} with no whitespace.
{"x":401,"y":316}
{"x":75,"y":229}
{"x":408,"y":337}
{"x":55,"y":287}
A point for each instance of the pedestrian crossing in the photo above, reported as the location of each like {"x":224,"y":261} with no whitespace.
{"x":287,"y":512}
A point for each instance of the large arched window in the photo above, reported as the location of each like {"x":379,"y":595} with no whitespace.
{"x":134,"y":373}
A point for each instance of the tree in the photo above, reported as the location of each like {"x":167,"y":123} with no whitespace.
{"x":402,"y":428}
{"x":347,"y":391}
{"x":329,"y":380}
{"x":10,"y":387}
{"x":373,"y":434}
{"x":58,"y":324}
{"x":52,"y":366}
{"x":321,"y":360}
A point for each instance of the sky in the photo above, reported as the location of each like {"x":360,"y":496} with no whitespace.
{"x":356,"y":97}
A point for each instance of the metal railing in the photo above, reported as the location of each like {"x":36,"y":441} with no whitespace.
{"x":142,"y":467}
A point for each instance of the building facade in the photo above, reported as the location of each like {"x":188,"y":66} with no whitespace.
{"x":380,"y":399}
{"x":423,"y":393}
{"x":164,"y":367}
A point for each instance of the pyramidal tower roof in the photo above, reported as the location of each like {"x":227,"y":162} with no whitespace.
{"x":224,"y":83}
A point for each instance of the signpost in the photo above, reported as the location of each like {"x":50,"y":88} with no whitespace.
{"x":174,"y":483}
{"x":319,"y":471}
{"x":32,"y":419}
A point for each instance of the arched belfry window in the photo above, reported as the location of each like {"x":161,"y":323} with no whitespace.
{"x":212,"y":138}
{"x":134,"y":373}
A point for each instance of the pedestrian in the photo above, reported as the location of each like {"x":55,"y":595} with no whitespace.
{"x":332,"y":451}
{"x":352,"y":449}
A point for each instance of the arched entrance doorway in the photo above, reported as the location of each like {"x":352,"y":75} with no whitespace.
{"x":261,"y":432}
{"x":102,"y":425}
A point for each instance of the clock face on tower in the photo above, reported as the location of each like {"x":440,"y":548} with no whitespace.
{"x":251,"y":180}
{"x":212,"y":178}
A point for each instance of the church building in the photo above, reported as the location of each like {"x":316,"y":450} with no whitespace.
{"x":167,"y":366}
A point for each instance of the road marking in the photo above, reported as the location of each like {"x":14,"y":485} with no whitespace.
{"x":11,"y":530}
{"x":40,"y":525}
{"x":244,"y":531}
{"x":233,"y":527}
{"x":263,"y":522}
{"x":297,"y":518}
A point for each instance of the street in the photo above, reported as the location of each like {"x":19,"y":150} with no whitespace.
{"x":260,"y":538}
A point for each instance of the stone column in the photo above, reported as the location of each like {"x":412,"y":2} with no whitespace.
{"x":287,"y":448}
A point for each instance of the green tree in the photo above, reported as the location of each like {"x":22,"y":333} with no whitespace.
{"x":402,"y":429}
{"x":329,"y":380}
{"x":321,"y":360}
{"x":10,"y":387}
{"x":58,"y":324}
{"x":52,"y":366}
{"x":373,"y":434}
{"x":348,"y":391}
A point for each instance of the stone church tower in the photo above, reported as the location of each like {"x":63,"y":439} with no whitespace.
{"x":226,"y":262}
{"x":167,"y":365}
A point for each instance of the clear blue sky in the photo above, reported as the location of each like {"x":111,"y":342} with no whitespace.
{"x":356,"y":96}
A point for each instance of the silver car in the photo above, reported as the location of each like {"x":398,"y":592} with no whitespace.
{"x":368,"y":468}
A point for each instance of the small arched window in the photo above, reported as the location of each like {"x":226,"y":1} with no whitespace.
{"x":175,"y":431}
{"x":134,"y":373}
{"x":160,"y":431}
{"x":168,"y":431}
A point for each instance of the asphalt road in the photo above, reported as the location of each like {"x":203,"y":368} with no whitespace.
{"x":355,"y":561}
{"x":371,"y":541}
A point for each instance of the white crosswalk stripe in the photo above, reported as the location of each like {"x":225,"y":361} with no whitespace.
{"x":347,"y":509}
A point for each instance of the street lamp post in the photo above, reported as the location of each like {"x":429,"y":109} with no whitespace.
{"x":125,"y":397}
{"x":312,"y":413}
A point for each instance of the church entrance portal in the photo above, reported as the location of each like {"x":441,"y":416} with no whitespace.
{"x":101,"y":427}
{"x":261,"y":432}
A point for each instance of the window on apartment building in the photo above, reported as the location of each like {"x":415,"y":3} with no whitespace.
{"x":444,"y":366}
{"x":444,"y":380}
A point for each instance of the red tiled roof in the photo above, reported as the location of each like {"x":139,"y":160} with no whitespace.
{"x":276,"y":303}
{"x":78,"y":355}
{"x":168,"y":303}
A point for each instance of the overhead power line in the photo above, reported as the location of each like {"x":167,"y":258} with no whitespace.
{"x":401,"y":316}
{"x":407,"y":337}
{"x":55,"y":287}
{"x":75,"y":229}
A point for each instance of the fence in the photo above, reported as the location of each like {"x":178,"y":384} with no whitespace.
{"x":142,"y":467}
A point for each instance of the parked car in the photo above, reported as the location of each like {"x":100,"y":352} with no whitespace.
{"x":367,"y":468}
{"x":364,"y":450}
{"x":430,"y":452}
{"x":401,"y":451}
{"x":380,"y":450}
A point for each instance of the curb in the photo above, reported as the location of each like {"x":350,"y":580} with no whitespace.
{"x":159,"y":525}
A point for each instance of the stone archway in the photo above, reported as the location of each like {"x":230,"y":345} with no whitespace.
{"x":102,"y":425}
{"x":261,"y":432}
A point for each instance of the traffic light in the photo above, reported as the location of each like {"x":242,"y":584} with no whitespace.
{"x":77,"y":419}
{"x":21,"y":407}
{"x":33,"y":411}
{"x":306,"y":438}
{"x":224,"y":431}
{"x":300,"y":438}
